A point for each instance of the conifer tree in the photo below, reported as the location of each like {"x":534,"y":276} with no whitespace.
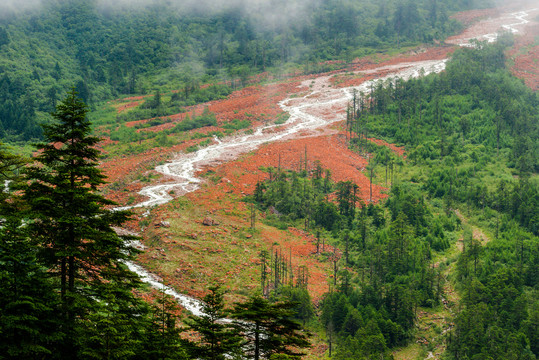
{"x":161,"y":338}
{"x":28,"y":323}
{"x":70,"y":221}
{"x":27,"y":304}
{"x":269,"y":328}
{"x":218,"y":339}
{"x":110,"y":328}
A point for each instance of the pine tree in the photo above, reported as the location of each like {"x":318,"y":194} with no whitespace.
{"x":161,"y":338}
{"x":269,"y":328}
{"x":110,"y":329}
{"x":27,"y":304}
{"x":28,"y":323}
{"x":69,"y":219}
{"x":217,"y":338}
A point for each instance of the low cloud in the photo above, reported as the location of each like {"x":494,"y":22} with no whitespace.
{"x":265,"y":13}
{"x":7,"y":6}
{"x":268,"y":12}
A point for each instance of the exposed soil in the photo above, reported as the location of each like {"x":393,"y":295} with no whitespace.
{"x":525,"y":55}
{"x":235,"y":179}
{"x":258,"y":104}
{"x":330,"y":150}
{"x":485,"y":24}
{"x":123,"y":107}
{"x":191,"y":256}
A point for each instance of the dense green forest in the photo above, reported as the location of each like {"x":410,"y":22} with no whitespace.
{"x":471,"y":138}
{"x":472,"y":115}
{"x":104,"y":50}
{"x":383,"y":271}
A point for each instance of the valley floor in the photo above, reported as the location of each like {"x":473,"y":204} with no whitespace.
{"x":191,"y":253}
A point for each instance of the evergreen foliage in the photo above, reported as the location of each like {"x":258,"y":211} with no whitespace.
{"x":28,"y":323}
{"x":71,"y":229}
{"x":218,"y":339}
{"x":27,"y":318}
{"x":66,"y":291}
{"x":269,"y":329}
{"x":105,"y":50}
{"x":468,"y":115}
{"x":453,"y":125}
{"x":472,"y":131}
{"x":299,"y":296}
{"x":161,"y":334}
{"x":392,"y":255}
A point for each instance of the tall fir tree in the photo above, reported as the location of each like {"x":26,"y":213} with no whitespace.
{"x":270,"y":328}
{"x":161,"y":335}
{"x":27,"y":304}
{"x":218,"y":339}
{"x":71,"y":222}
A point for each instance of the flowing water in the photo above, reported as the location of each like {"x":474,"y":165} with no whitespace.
{"x":489,"y":29}
{"x":320,"y":107}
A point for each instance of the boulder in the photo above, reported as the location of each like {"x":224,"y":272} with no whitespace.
{"x":208,"y":221}
{"x":164,"y":224}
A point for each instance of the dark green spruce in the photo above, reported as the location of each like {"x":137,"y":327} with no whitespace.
{"x":71,"y":226}
{"x":218,"y":337}
{"x":269,"y":328}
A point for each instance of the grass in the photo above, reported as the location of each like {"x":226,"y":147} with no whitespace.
{"x":102,"y":114}
{"x":197,"y":147}
{"x":413,"y":351}
{"x":198,"y":256}
{"x":22,"y":149}
{"x":282,"y":118}
{"x":237,"y":124}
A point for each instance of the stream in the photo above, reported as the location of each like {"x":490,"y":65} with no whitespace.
{"x":322,"y":105}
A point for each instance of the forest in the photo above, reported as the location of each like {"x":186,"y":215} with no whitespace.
{"x":453,"y":234}
{"x":108,"y":51}
{"x":466,"y":131}
{"x":66,"y":289}
{"x":471,"y":135}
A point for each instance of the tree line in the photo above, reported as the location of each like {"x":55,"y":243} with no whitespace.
{"x":466,"y":154}
{"x":466,"y":118}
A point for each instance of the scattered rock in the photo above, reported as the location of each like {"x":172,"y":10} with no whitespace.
{"x":209,"y":222}
{"x":118,"y":230}
{"x":164,"y":224}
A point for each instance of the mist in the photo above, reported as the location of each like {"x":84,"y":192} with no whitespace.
{"x":268,"y":12}
{"x":264,"y":14}
{"x":12,"y":6}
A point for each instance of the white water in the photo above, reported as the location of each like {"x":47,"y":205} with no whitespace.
{"x":303,"y":117}
{"x":306,"y":116}
{"x":518,"y":20}
{"x":189,"y":303}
